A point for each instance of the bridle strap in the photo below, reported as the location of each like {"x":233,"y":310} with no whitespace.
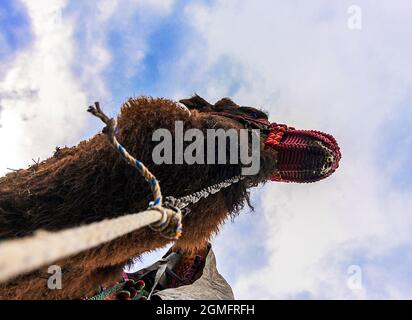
{"x":242,"y":117}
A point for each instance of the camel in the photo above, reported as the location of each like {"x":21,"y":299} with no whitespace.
{"x":91,"y":182}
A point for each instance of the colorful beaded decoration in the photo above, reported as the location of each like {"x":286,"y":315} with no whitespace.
{"x":127,"y":289}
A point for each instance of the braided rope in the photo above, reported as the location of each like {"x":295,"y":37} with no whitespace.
{"x":169,"y":226}
{"x":110,"y":130}
{"x":182,"y":202}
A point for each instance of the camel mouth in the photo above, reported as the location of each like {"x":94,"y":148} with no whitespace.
{"x":303,"y":155}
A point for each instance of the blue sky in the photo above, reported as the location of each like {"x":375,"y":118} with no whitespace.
{"x":162,"y":45}
{"x":15,"y":28}
{"x":300,"y":62}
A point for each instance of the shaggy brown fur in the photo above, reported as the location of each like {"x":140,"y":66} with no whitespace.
{"x":90,"y":182}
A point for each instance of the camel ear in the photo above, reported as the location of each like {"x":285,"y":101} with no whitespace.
{"x":196,"y":102}
{"x":226,"y":101}
{"x":224,"y":104}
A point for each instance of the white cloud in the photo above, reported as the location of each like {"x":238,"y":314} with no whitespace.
{"x":47,"y":86}
{"x":43,"y":105}
{"x":301,"y":62}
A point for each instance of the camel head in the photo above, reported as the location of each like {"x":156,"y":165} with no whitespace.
{"x":300,"y":155}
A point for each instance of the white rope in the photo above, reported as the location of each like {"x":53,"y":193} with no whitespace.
{"x":27,"y":254}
